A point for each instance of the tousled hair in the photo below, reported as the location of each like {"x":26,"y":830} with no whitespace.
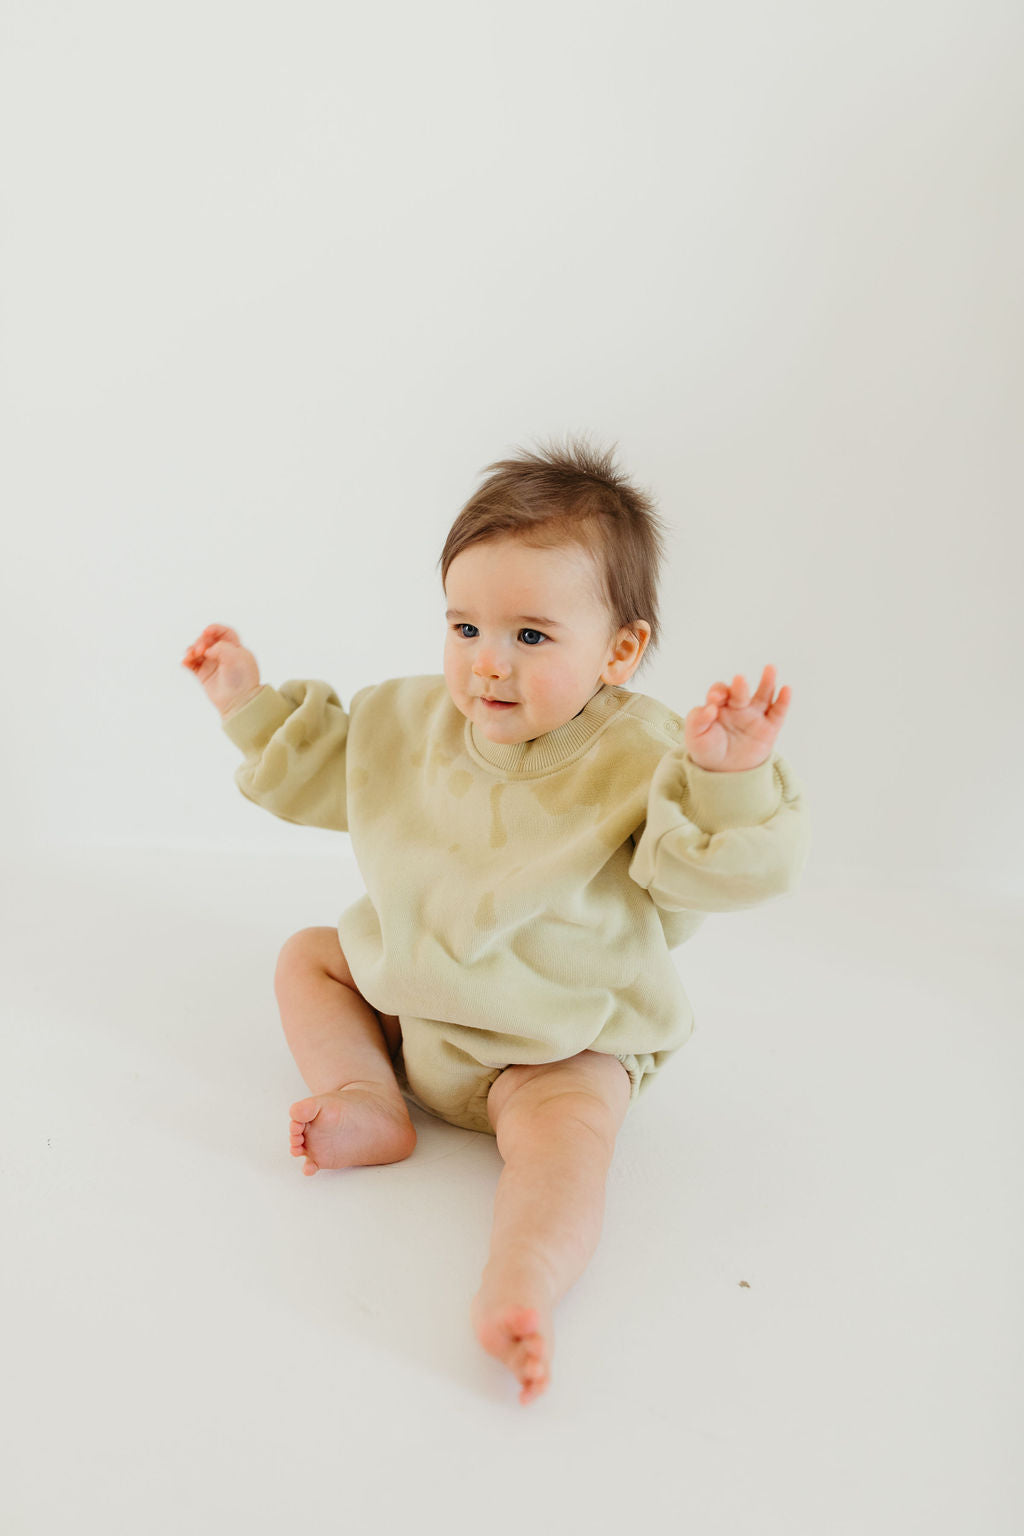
{"x":574,"y":496}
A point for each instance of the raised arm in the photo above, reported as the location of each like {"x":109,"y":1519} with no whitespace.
{"x":294,"y":737}
{"x":727,"y":825}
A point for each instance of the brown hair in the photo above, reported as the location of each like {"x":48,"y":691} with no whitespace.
{"x":574,"y":496}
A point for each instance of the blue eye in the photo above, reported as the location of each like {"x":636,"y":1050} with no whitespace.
{"x":459,"y":627}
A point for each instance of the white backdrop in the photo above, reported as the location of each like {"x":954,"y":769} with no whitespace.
{"x":278,"y":282}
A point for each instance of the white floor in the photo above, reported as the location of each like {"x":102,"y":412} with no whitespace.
{"x":803,"y":1317}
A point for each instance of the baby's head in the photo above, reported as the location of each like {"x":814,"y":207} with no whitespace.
{"x":550,"y":574}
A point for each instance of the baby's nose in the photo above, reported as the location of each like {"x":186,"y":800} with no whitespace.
{"x":488,"y":662}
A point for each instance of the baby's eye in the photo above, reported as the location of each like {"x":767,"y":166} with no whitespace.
{"x":460,"y":627}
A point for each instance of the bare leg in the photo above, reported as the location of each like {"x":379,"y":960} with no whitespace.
{"x":356,"y":1114}
{"x":556,"y":1129}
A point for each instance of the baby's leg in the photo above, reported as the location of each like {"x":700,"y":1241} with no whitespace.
{"x":556,"y":1126}
{"x":356,"y":1114}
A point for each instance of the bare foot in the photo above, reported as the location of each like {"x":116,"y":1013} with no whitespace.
{"x":349,"y":1128}
{"x":520,"y":1335}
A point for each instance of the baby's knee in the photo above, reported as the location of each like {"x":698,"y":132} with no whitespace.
{"x":590,"y":1091}
{"x":311,"y":949}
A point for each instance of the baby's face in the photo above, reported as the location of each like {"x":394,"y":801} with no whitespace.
{"x":524,"y":625}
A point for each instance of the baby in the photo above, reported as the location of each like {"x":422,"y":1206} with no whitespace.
{"x":535,"y":838}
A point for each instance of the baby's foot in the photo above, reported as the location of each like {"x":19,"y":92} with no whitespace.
{"x":521,"y":1336}
{"x":351,"y":1127}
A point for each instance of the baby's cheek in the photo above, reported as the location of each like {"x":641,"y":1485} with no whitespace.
{"x":550,"y":692}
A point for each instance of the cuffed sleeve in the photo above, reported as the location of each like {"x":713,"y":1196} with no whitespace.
{"x":294,"y":739}
{"x":715,"y":842}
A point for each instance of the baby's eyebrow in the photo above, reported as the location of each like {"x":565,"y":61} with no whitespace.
{"x":519,"y":618}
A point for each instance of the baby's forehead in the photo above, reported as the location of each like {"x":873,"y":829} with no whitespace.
{"x":566,"y":609}
{"x":509,"y":582}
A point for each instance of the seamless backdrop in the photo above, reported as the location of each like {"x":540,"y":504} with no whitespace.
{"x":271,"y":302}
{"x":276,"y":284}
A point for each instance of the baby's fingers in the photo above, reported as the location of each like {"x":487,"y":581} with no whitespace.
{"x":210,"y":635}
{"x":778,"y":709}
{"x":214,"y":632}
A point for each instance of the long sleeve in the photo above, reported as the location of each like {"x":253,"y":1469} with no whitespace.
{"x":716,"y":842}
{"x":294,"y":739}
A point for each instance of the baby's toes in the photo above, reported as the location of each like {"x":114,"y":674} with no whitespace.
{"x":533,"y":1375}
{"x":531,"y":1364}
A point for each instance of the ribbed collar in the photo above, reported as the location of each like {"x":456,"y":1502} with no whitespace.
{"x":527,"y":759}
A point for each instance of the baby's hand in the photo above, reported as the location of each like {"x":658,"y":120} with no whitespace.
{"x":229,"y":673}
{"x":733,"y":731}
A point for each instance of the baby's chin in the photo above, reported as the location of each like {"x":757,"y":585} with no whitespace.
{"x":503,"y":727}
{"x":509,"y":726}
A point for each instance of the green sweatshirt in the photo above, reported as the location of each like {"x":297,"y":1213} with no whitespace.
{"x":527,"y":894}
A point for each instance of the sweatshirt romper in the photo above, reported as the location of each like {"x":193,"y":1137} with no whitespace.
{"x":521,"y":899}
